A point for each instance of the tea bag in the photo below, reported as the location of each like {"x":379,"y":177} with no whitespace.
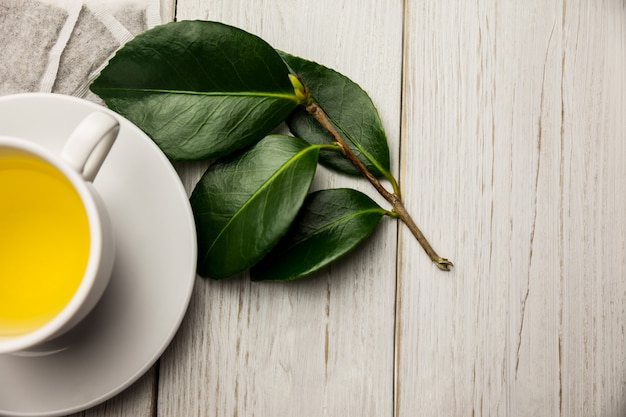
{"x":60,"y":46}
{"x":29,"y":29}
{"x":98,"y":33}
{"x":92,"y":42}
{"x":135,"y":15}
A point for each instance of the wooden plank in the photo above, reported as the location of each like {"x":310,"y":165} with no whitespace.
{"x":168,"y":10}
{"x":593,"y":349}
{"x":513,"y":157}
{"x":320,"y":346}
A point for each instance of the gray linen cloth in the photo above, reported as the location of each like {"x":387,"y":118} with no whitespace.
{"x":60,"y":46}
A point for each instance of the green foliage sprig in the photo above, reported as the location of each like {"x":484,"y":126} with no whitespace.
{"x":205,"y":90}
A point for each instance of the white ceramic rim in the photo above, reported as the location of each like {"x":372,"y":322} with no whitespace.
{"x":9,"y":344}
{"x":131,"y":144}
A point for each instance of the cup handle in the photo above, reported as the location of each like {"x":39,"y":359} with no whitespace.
{"x":89,"y":144}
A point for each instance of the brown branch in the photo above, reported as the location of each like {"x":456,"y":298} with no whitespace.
{"x":395,"y":201}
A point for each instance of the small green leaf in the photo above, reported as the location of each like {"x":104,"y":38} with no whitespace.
{"x":244,"y":204}
{"x":198,"y":89}
{"x":330,"y":224}
{"x":349,"y":109}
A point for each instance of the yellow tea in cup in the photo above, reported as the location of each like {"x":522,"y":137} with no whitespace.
{"x":44,"y":242}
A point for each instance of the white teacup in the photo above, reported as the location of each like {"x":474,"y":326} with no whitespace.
{"x":56,"y":240}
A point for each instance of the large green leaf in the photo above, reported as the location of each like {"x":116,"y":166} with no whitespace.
{"x":244,"y":204}
{"x":329,"y":225}
{"x":198,"y":89}
{"x":350,"y":110}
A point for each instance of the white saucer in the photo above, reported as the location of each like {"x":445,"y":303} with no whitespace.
{"x":152,"y":280}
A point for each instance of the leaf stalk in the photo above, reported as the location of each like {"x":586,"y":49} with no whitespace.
{"x":393,"y":198}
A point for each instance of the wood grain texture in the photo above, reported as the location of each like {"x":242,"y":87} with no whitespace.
{"x":168,"y":10}
{"x":322,"y":346}
{"x":513,"y":154}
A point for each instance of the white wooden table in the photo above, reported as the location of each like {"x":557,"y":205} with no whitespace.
{"x":506,"y":121}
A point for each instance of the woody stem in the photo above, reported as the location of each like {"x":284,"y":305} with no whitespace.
{"x":393,"y":198}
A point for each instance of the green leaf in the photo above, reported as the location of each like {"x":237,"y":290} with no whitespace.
{"x":330,"y":224}
{"x":349,"y":109}
{"x":244,"y":204}
{"x":198,"y":89}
